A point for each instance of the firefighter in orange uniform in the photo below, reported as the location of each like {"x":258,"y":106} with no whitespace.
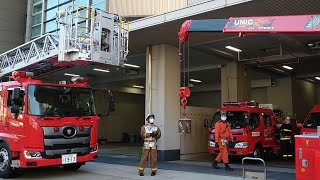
{"x":150,"y":134}
{"x":223,"y":135}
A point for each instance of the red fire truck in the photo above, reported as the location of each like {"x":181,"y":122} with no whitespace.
{"x":311,"y":122}
{"x":46,"y":124}
{"x":252,"y":127}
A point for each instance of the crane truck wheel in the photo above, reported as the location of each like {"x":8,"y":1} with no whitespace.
{"x":72,"y":167}
{"x":258,"y":152}
{"x":6,"y":171}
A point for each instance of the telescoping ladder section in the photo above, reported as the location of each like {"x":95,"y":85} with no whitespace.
{"x":86,"y":35}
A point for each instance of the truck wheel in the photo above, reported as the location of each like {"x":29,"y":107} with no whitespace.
{"x":72,"y":167}
{"x":6,"y":171}
{"x":258,"y":152}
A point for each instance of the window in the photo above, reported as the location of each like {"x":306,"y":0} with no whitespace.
{"x":313,"y":120}
{"x":36,"y":1}
{"x":81,"y":2}
{"x":51,"y":26}
{"x":51,"y":14}
{"x":254,"y":121}
{"x":36,"y":31}
{"x":267,"y":120}
{"x":37,"y":8}
{"x":237,"y":119}
{"x":10,"y":102}
{"x":36,"y":19}
{"x":100,"y":4}
{"x":52,"y":3}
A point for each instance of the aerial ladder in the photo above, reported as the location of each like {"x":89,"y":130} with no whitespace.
{"x":86,"y":36}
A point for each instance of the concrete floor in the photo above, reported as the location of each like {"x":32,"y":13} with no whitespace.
{"x":119,"y":161}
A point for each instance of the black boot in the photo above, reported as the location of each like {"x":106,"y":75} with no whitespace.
{"x":153,"y":173}
{"x":141,"y":174}
{"x":215,"y":165}
{"x":228,"y":168}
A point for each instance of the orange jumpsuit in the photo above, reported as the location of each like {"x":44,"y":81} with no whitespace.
{"x":223,"y":131}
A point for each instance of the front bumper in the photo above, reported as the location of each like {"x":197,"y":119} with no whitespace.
{"x":41,"y":162}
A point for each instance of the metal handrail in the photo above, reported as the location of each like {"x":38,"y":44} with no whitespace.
{"x":253,"y":159}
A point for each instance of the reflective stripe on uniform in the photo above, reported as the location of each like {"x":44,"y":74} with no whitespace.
{"x":287,"y":130}
{"x":289,"y":155}
{"x":154,"y":169}
{"x":140,"y":168}
{"x":285,"y":155}
{"x":285,"y":138}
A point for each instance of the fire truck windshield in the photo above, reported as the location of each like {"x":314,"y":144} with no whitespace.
{"x":60,"y":101}
{"x":313,"y":120}
{"x":237,"y":119}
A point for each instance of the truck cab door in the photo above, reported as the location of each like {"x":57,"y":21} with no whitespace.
{"x":269,"y":134}
{"x":13,"y":121}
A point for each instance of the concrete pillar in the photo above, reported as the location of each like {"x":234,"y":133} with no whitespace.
{"x":162,"y":97}
{"x":29,"y":20}
{"x":235,"y":84}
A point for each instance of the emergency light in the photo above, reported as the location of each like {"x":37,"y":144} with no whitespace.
{"x":22,"y":74}
{"x":241,"y":104}
{"x":77,"y":80}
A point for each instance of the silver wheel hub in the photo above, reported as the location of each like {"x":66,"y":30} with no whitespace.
{"x":4,"y":159}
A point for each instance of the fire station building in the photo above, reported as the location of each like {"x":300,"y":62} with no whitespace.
{"x":278,"y":69}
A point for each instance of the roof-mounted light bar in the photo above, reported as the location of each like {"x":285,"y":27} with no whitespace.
{"x":22,"y":74}
{"x":241,"y":104}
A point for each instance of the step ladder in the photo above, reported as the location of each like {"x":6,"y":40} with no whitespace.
{"x":87,"y":36}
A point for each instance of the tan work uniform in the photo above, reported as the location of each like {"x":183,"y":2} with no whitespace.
{"x":149,"y":146}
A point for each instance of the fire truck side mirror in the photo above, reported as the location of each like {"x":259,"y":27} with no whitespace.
{"x":15,"y":109}
{"x":299,"y":125}
{"x":206,"y":123}
{"x":16,"y":94}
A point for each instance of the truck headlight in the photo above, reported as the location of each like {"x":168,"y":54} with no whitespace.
{"x":212,"y":144}
{"x":94,"y":149}
{"x":32,"y":154}
{"x":241,"y":145}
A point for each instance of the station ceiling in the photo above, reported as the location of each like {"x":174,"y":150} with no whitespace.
{"x":208,"y":49}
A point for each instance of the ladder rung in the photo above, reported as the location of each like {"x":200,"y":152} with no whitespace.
{"x":84,"y":18}
{"x":84,"y":36}
{"x":83,"y":27}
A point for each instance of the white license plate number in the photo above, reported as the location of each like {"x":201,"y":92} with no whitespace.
{"x":69,"y":158}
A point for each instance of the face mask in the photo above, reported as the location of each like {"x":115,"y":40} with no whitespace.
{"x":151,"y":121}
{"x":223,"y":118}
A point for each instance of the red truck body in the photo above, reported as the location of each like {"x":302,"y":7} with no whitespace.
{"x":311,"y":122}
{"x":37,"y":130}
{"x":253,"y":129}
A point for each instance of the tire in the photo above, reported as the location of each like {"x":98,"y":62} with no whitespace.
{"x":6,"y":171}
{"x":72,"y":167}
{"x":258,"y":152}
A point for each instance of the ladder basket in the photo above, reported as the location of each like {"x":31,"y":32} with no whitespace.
{"x":247,"y":174}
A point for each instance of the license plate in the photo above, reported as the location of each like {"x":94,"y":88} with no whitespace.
{"x":69,"y":158}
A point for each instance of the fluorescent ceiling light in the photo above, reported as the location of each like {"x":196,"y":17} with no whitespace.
{"x":135,"y":86}
{"x":317,"y":78}
{"x":101,"y":70}
{"x":233,"y":48}
{"x":131,"y":65}
{"x":287,"y":67}
{"x":279,"y":70}
{"x":73,"y":75}
{"x":195,"y":80}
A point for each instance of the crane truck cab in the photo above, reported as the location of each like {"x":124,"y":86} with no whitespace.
{"x":312,"y":121}
{"x":45,"y":124}
{"x":253,"y":129}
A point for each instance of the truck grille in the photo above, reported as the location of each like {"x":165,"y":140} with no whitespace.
{"x":69,"y":139}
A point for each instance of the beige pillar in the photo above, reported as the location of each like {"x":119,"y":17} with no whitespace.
{"x":164,"y":101}
{"x":235,"y":83}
